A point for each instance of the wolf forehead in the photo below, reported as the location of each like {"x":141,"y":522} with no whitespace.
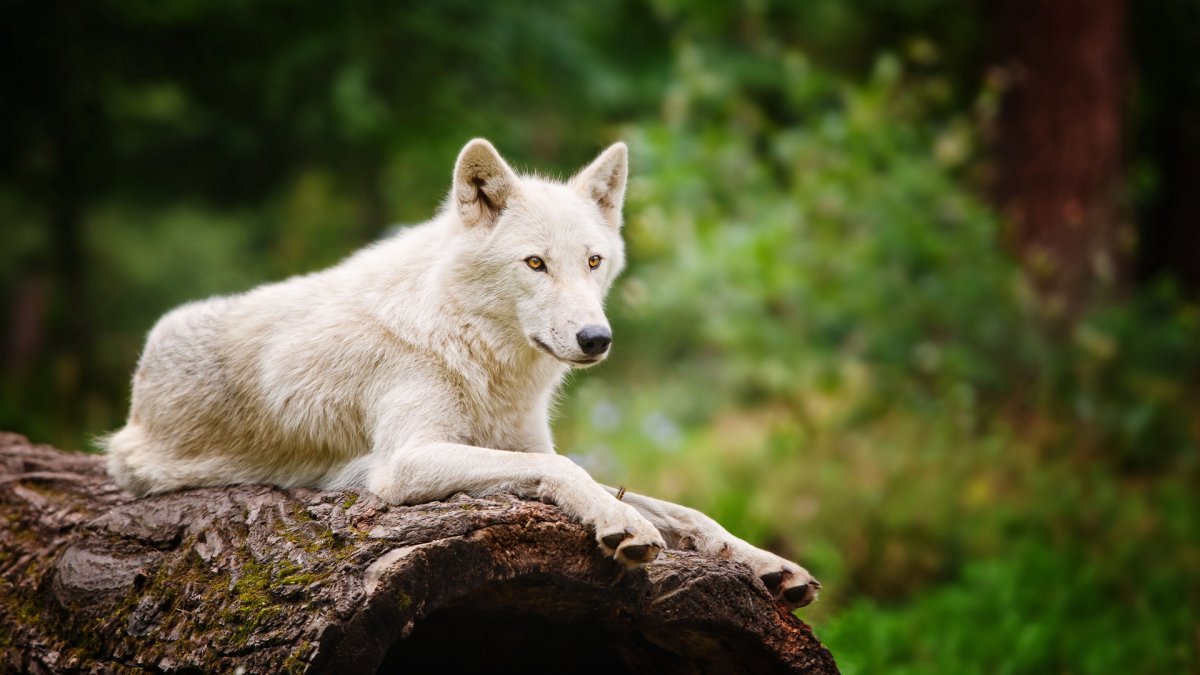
{"x":542,"y":202}
{"x":554,"y":215}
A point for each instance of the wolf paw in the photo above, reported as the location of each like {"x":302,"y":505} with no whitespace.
{"x":629,"y":549}
{"x":786,"y":581}
{"x":633,"y":545}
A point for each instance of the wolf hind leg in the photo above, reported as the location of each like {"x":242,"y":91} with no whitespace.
{"x":135,"y":460}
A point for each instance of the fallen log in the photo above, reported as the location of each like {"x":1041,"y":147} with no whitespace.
{"x":258,"y":579}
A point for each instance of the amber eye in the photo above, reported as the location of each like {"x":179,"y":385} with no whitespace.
{"x":594,"y":261}
{"x":536,"y":263}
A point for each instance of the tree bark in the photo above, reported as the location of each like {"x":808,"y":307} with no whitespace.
{"x":303,"y":580}
{"x":1059,"y":145}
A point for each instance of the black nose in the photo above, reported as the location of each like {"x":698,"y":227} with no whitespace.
{"x":594,"y":340}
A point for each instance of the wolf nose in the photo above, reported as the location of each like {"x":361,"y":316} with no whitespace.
{"x":594,"y":340}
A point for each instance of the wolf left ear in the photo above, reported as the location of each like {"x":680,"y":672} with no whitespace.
{"x":603,"y":181}
{"x":483,"y":184}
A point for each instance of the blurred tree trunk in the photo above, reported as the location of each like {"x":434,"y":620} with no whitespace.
{"x":1059,"y":145}
{"x":72,"y":114}
{"x":73,"y":321}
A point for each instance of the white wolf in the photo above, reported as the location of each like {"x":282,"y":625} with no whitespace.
{"x":419,"y":367}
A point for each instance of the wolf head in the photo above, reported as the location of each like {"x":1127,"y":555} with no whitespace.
{"x":539,"y":254}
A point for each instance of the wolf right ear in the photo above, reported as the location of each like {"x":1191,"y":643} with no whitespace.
{"x":483,"y":184}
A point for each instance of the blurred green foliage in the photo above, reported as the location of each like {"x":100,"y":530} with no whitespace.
{"x":858,"y":378}
{"x":820,"y":340}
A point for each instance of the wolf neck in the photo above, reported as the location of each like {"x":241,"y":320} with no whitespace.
{"x":488,"y":344}
{"x":416,"y":290}
{"x":497,"y":378}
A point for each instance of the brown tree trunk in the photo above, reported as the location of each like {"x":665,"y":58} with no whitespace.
{"x":271,"y":580}
{"x":1059,"y":146}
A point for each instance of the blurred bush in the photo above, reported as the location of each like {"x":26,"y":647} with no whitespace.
{"x":858,"y":378}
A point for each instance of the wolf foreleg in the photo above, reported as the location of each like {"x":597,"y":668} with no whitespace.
{"x":433,"y":471}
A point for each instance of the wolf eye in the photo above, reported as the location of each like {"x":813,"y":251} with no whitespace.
{"x":536,"y":263}
{"x":594,"y":261}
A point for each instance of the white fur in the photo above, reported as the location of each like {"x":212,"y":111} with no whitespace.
{"x":419,"y":367}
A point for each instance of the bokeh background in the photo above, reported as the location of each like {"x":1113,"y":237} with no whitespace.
{"x":912,"y":293}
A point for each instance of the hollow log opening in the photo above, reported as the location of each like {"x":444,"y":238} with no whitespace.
{"x":538,"y":623}
{"x":463,"y":639}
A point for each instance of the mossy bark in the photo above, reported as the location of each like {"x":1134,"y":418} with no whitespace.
{"x":271,"y":580}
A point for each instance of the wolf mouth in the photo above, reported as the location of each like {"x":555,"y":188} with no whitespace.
{"x":546,"y":348}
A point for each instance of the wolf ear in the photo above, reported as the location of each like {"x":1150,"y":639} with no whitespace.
{"x":603,"y":181}
{"x":483,"y":184}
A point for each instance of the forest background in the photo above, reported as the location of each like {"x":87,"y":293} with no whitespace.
{"x":912,"y":294}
